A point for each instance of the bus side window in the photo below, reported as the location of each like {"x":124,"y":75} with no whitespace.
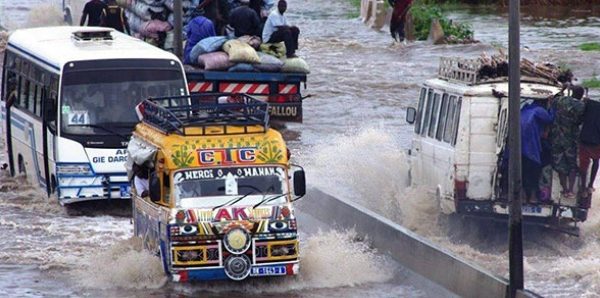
{"x":427,"y":112}
{"x":31,"y":97}
{"x":11,"y":86}
{"x":38,"y":100}
{"x":420,"y":111}
{"x":450,"y":120}
{"x":442,"y":118}
{"x":456,"y":119}
{"x":434,"y":115}
{"x":23,"y":93}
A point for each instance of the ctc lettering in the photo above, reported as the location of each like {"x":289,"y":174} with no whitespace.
{"x":227,"y":156}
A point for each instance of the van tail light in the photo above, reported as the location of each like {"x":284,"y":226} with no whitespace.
{"x":460,"y":189}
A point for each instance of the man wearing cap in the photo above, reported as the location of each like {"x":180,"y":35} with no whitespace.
{"x":277,"y":29}
{"x":244,"y":20}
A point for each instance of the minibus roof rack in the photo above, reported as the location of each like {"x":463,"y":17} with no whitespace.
{"x":177,"y":113}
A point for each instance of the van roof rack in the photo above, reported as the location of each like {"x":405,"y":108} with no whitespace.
{"x":461,"y":70}
{"x":177,"y":113}
{"x":93,"y":35}
{"x":467,"y":71}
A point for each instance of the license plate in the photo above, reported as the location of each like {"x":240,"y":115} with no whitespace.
{"x":532,"y":209}
{"x":125,"y":191}
{"x":275,"y":270}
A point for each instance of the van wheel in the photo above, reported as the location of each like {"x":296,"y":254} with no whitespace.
{"x":22,"y":169}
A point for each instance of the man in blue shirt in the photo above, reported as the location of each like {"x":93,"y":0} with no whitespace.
{"x":198,"y":29}
{"x":277,"y":29}
{"x":534,"y":118}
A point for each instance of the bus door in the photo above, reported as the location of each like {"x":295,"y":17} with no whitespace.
{"x":49,"y":115}
{"x":500,"y":178}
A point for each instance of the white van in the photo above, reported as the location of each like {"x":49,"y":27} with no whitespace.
{"x":460,"y":133}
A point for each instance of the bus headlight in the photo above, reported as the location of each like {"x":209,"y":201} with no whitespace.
{"x":237,"y":241}
{"x":74,"y":169}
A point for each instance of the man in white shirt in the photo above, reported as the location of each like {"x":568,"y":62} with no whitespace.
{"x":140,"y":179}
{"x":277,"y":30}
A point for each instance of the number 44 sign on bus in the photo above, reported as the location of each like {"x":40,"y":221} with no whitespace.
{"x":78,"y":118}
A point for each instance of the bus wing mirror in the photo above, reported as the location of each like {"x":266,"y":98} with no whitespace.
{"x":299,"y":183}
{"x":154,"y":186}
{"x":411,"y":115}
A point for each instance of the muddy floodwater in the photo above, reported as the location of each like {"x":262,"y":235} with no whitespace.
{"x":352,"y":143}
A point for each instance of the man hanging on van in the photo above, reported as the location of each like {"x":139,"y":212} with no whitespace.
{"x":113,"y":16}
{"x":534,"y":118}
{"x":564,"y":138}
{"x":589,"y":149}
{"x":92,"y":12}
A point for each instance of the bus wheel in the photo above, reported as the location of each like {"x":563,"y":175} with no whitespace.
{"x":22,"y":169}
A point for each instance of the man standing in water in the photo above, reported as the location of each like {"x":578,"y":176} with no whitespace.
{"x":92,"y":12}
{"x":564,"y":138}
{"x":589,"y":149}
{"x":401,"y":8}
{"x":277,"y":29}
{"x":113,"y":16}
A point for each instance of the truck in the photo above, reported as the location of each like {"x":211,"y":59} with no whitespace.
{"x":280,"y":89}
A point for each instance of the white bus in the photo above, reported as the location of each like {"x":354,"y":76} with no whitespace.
{"x":67,"y":106}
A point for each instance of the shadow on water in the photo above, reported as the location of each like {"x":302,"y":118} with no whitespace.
{"x":117,"y":208}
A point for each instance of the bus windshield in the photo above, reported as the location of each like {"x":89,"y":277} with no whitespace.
{"x":101,"y":102}
{"x":201,"y":188}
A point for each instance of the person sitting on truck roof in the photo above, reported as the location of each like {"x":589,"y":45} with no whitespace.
{"x":277,"y":29}
{"x":534,"y":118}
{"x":244,"y":20}
{"x":589,"y":148}
{"x":564,"y":136}
{"x":198,"y":29}
{"x":92,"y":12}
{"x":217,"y":11}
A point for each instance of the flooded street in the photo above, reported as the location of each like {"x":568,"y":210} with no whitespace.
{"x":352,"y":143}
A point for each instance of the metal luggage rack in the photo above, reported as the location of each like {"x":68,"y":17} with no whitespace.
{"x":459,"y":69}
{"x":177,"y":113}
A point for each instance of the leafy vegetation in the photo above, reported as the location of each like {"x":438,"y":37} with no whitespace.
{"x":590,"y":46}
{"x":592,"y":83}
{"x":425,"y":11}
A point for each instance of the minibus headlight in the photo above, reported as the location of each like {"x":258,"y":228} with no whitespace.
{"x":74,"y":169}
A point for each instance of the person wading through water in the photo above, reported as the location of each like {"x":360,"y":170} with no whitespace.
{"x":113,"y":16}
{"x":401,"y":8}
{"x":92,"y":12}
{"x":564,"y":136}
